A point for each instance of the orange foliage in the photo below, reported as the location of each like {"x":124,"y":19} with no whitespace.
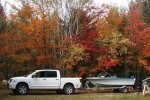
{"x":111,"y":22}
{"x":33,"y":35}
{"x":43,"y":60}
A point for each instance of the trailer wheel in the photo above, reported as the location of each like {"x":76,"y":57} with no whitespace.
{"x":124,"y":90}
{"x":68,"y":89}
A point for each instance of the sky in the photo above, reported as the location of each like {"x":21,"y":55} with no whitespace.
{"x":119,"y":3}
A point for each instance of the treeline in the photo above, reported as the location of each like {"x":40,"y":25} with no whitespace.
{"x":75,"y":37}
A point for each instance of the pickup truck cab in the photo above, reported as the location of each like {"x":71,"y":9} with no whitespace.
{"x":43,"y":79}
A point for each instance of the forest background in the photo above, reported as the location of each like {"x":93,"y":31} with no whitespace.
{"x":75,"y":37}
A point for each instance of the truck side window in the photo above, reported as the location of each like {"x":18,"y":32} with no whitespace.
{"x":51,"y":74}
{"x":40,"y":74}
{"x":45,"y":74}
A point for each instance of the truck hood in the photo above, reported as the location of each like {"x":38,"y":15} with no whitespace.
{"x":20,"y":77}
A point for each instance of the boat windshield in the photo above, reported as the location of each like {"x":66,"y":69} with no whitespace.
{"x":104,"y":74}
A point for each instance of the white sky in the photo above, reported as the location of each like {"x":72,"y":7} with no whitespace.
{"x":6,"y":5}
{"x":119,"y":3}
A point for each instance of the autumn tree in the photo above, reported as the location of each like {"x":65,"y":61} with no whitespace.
{"x":111,"y":38}
{"x":40,"y":28}
{"x":73,"y":36}
{"x":138,"y":33}
{"x":4,"y":59}
{"x":72,"y":25}
{"x":30,"y":39}
{"x":35,"y":35}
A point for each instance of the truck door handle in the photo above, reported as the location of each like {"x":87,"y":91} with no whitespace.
{"x":57,"y":79}
{"x":44,"y":79}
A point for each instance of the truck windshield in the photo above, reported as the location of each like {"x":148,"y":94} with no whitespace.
{"x":29,"y":73}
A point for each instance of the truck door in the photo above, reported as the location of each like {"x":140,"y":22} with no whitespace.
{"x":38,"y":80}
{"x":52,"y":80}
{"x":45,"y":80}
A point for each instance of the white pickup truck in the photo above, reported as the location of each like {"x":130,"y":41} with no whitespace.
{"x":44,"y":79}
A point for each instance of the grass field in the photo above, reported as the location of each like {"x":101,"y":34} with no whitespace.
{"x":46,"y":95}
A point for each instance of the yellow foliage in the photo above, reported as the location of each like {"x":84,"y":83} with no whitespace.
{"x":69,"y":67}
{"x":108,"y":24}
{"x":110,"y":35}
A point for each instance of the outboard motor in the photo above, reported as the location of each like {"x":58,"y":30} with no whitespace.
{"x":146,"y":84}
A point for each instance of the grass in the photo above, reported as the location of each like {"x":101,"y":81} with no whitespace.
{"x":46,"y":95}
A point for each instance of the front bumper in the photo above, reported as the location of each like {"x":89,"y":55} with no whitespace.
{"x":12,"y":85}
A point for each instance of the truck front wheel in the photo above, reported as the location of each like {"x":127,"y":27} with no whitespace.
{"x":22,"y":88}
{"x":68,"y":89}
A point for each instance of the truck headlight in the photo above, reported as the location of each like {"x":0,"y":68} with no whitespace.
{"x":11,"y":80}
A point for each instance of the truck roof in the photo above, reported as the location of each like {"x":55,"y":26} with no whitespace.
{"x":46,"y":70}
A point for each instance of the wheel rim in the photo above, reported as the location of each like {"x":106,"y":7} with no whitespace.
{"x":22,"y":89}
{"x":69,"y":90}
{"x":125,"y":90}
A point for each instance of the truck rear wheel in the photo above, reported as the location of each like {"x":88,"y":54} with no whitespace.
{"x":22,"y":89}
{"x":68,"y":89}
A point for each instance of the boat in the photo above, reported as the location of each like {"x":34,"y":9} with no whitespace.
{"x":106,"y":80}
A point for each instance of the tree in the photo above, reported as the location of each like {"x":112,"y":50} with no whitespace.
{"x":2,"y":19}
{"x":111,"y":38}
{"x":138,"y":33}
{"x":30,"y":39}
{"x":74,"y":25}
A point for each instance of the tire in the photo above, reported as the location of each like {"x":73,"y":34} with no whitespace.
{"x":68,"y":89}
{"x":125,"y":90}
{"x":22,"y":89}
{"x":14,"y":91}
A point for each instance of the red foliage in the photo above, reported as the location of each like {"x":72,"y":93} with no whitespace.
{"x":138,"y":33}
{"x":147,"y":68}
{"x":135,"y":27}
{"x":105,"y":63}
{"x":88,"y":40}
{"x":82,"y":73}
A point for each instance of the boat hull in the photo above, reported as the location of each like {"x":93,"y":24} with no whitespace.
{"x":111,"y":82}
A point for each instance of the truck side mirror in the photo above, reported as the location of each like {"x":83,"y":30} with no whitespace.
{"x":34,"y":76}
